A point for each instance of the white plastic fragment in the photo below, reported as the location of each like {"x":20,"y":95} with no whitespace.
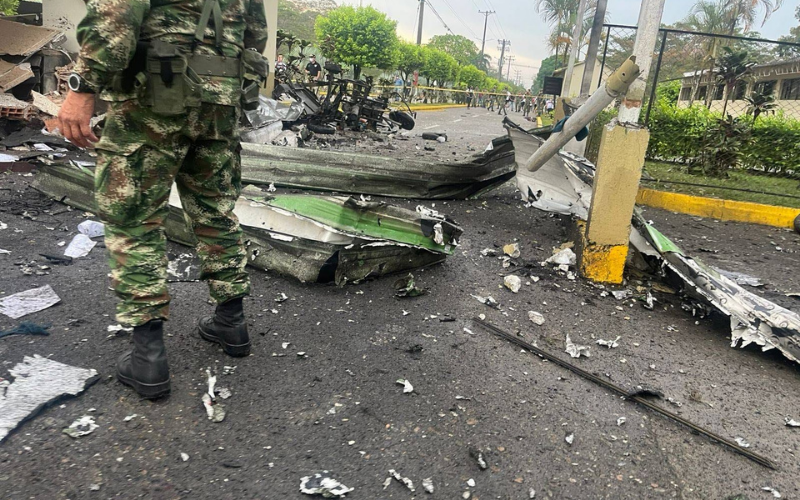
{"x":609,"y":343}
{"x":184,"y":457}
{"x":30,"y":301}
{"x":790,"y":422}
{"x":118,"y":328}
{"x":323,"y":484}
{"x":741,"y":442}
{"x":37,"y":382}
{"x":427,"y":484}
{"x":3,"y":225}
{"x":775,"y":493}
{"x":406,"y":481}
{"x":531,"y":493}
{"x":576,"y":351}
{"x":564,"y":257}
{"x":438,"y":234}
{"x":513,"y":283}
{"x":92,"y":228}
{"x":569,"y":438}
{"x":471,"y":483}
{"x":130,"y":417}
{"x":621,"y":294}
{"x":536,"y":317}
{"x":489,"y":301}
{"x":271,"y":188}
{"x":621,"y":420}
{"x":81,"y":427}
{"x":407,"y":387}
{"x":80,"y":246}
{"x":214,"y":410}
{"x":4,"y":252}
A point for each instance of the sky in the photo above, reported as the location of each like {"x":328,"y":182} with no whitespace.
{"x":517,"y":20}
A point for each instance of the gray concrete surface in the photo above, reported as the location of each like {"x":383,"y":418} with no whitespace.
{"x":340,"y":408}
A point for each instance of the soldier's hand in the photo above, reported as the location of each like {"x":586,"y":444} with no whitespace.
{"x":74,"y":119}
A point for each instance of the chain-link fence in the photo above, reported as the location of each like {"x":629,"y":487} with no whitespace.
{"x":716,"y":102}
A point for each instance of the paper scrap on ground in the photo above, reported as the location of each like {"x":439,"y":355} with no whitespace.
{"x":80,"y":246}
{"x":92,"y":228}
{"x":323,"y":484}
{"x":427,"y":484}
{"x":81,"y":427}
{"x":609,"y":343}
{"x":790,"y":422}
{"x":28,"y":302}
{"x":37,"y":382}
{"x":576,"y":351}
{"x":406,"y":481}
{"x":407,"y":387}
{"x":775,"y":493}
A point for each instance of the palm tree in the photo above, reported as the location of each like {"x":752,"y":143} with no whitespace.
{"x":560,"y":15}
{"x":707,"y":16}
{"x":733,"y":65}
{"x":745,"y":12}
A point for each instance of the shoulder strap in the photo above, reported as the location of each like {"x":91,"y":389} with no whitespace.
{"x":209,"y":7}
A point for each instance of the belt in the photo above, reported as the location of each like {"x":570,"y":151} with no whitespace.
{"x":208,"y":65}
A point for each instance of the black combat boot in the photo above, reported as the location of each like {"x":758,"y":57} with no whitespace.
{"x":145,"y":367}
{"x":227,"y":328}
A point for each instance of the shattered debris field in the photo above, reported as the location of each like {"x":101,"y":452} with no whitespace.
{"x":320,"y":391}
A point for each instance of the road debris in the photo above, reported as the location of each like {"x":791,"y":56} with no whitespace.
{"x":184,"y":457}
{"x":407,"y":387}
{"x":118,"y":329}
{"x":569,"y":438}
{"x":30,"y":301}
{"x":479,"y":458}
{"x":80,"y":246}
{"x":26,"y":328}
{"x":536,"y":317}
{"x":775,"y":493}
{"x":621,"y":420}
{"x":489,"y":301}
{"x":638,"y":396}
{"x":321,"y":483}
{"x":574,"y":350}
{"x":513,"y":283}
{"x":214,"y":409}
{"x":512,"y":250}
{"x":622,"y":294}
{"x":609,"y":343}
{"x":790,"y":422}
{"x":406,"y":287}
{"x":318,"y":239}
{"x":81,"y":427}
{"x":37,"y":382}
{"x":741,"y":442}
{"x":563,"y":257}
{"x":92,"y":228}
{"x":427,"y":485}
{"x":406,"y":481}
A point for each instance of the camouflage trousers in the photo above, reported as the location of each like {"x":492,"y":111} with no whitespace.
{"x":139,"y":157}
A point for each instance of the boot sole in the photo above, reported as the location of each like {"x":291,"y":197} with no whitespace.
{"x":147,"y":391}
{"x":237,"y":351}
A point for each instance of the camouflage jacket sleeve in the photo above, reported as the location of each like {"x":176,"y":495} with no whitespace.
{"x":108,"y":36}
{"x":255,"y":36}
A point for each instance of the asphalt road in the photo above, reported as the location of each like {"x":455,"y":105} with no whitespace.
{"x":340,"y":408}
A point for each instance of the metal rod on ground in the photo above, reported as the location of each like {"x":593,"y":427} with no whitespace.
{"x":626,"y":394}
{"x":616,"y":85}
{"x":573,"y":52}
{"x":594,"y":44}
{"x":654,"y":85}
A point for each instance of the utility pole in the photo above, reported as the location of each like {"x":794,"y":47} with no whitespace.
{"x":419,"y":28}
{"x":573,"y":53}
{"x":486,"y":14}
{"x":508,"y":72}
{"x":646,"y":35}
{"x":594,"y":45}
{"x":502,"y":46}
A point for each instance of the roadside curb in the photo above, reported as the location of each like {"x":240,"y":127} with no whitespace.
{"x":436,"y":108}
{"x":727,"y":210}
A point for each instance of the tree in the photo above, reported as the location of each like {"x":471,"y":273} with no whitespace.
{"x":410,"y":58}
{"x":472,"y":76}
{"x":459,"y":47}
{"x":744,"y":13}
{"x":562,"y":15}
{"x":439,"y":67}
{"x":547,"y":67}
{"x":793,"y":36}
{"x":732,"y":67}
{"x":760,"y":102}
{"x":8,"y":7}
{"x":361,"y":37}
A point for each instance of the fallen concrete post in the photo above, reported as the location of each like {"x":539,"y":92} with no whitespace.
{"x":378,"y":175}
{"x":312,"y":238}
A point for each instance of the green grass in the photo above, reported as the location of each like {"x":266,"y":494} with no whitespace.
{"x":737,"y":179}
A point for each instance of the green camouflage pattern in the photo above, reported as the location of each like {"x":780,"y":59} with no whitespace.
{"x":111,"y":29}
{"x":139,"y":156}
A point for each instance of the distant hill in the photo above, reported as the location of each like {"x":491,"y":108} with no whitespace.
{"x":298,"y":16}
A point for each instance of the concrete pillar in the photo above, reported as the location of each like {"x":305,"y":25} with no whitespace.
{"x":603,"y":248}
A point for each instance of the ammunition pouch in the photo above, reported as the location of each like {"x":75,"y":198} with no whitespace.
{"x":255,"y":69}
{"x":172,"y":86}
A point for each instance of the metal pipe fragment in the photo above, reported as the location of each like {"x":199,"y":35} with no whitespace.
{"x":614,"y":86}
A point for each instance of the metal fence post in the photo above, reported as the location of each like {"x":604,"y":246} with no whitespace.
{"x":655,"y":77}
{"x":605,"y":51}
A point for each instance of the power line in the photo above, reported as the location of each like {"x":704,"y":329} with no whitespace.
{"x":474,"y":35}
{"x":439,"y":17}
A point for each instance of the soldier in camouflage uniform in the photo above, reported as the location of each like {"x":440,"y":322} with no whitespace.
{"x":172,"y":73}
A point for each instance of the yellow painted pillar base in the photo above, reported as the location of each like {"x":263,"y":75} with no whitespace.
{"x":600,"y":263}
